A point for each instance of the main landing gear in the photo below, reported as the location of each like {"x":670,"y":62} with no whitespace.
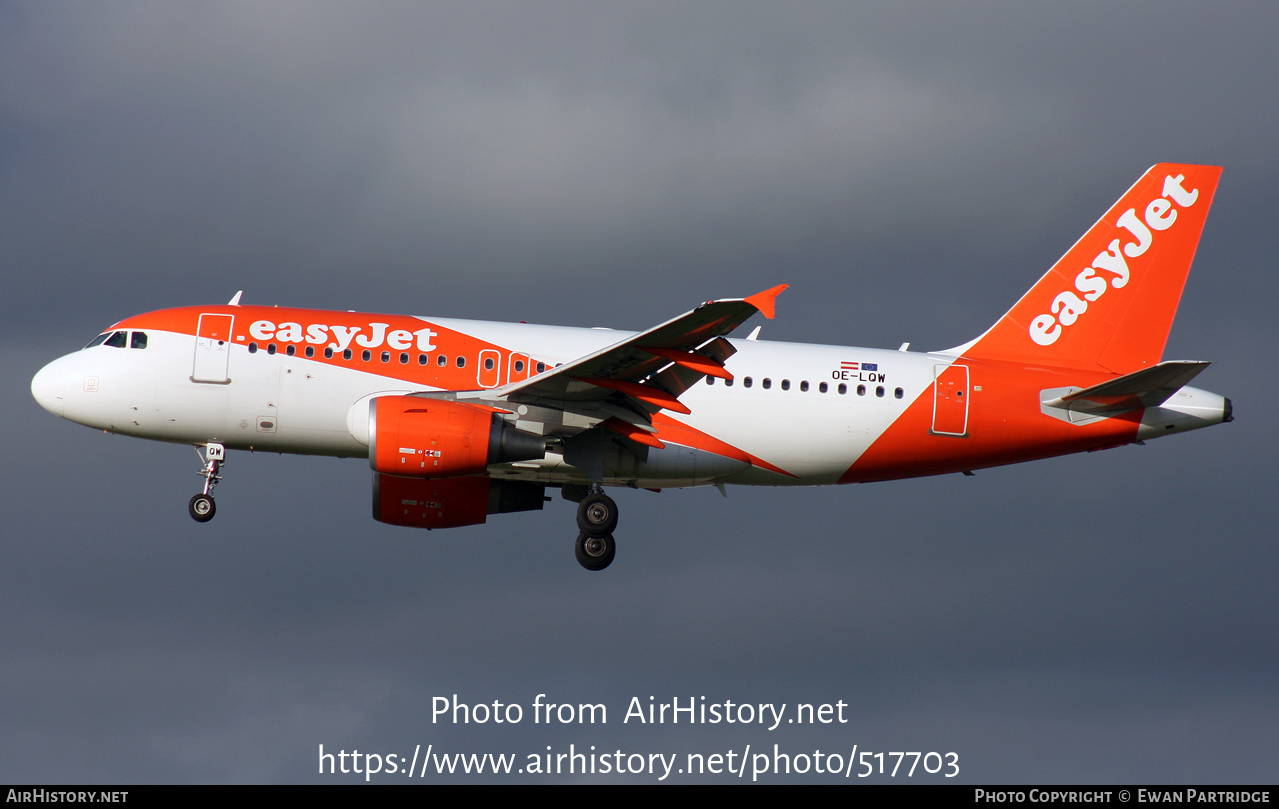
{"x":202,"y":507}
{"x":597,"y":518}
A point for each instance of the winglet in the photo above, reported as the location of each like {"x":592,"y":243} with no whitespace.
{"x":766,"y":301}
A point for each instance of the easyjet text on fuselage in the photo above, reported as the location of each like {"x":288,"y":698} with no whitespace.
{"x":342,"y":336}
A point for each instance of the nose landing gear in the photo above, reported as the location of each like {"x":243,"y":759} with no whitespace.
{"x":597,"y":519}
{"x":202,"y":507}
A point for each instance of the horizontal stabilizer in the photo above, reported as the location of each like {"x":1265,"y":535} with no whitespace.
{"x":1149,"y":387}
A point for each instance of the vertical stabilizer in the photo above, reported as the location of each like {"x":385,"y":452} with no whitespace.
{"x":1111,"y":299}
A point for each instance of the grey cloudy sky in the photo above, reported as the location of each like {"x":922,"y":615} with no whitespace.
{"x":909,"y":168}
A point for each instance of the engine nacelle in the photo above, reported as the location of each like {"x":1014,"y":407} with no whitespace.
{"x":450,"y":503}
{"x":414,"y":436}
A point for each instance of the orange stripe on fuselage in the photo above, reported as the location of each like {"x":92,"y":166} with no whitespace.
{"x":399,"y":334}
{"x":1005,"y":425}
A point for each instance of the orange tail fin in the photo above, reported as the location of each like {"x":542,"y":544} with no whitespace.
{"x":1110,"y":301}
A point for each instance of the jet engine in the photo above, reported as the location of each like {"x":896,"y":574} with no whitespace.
{"x":412,"y":436}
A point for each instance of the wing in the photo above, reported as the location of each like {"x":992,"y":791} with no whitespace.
{"x":624,"y":384}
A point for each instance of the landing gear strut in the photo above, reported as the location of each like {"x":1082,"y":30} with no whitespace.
{"x":202,"y":507}
{"x":597,"y":518}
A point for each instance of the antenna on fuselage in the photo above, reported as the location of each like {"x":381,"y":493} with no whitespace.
{"x":235,"y":300}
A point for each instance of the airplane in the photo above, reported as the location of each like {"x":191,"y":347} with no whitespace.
{"x":460,"y":419}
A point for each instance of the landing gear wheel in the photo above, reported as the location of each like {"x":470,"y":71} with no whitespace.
{"x":202,"y":508}
{"x":597,"y":515}
{"x":595,"y":553}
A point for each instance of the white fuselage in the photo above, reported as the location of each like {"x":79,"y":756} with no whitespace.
{"x":797,"y":407}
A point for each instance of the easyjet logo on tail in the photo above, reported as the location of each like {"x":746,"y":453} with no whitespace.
{"x":1110,"y":268}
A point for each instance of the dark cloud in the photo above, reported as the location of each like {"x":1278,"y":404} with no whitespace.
{"x":909,"y":169}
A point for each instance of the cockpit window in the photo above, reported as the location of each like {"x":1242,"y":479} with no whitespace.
{"x":117,"y":339}
{"x":97,"y":341}
{"x":138,"y":339}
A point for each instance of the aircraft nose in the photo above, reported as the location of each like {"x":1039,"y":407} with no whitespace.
{"x":49,"y":387}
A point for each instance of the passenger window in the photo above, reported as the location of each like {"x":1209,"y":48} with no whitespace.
{"x":253,"y":348}
{"x":803,"y":386}
{"x":861,"y":390}
{"x":823,"y":387}
{"x":728,"y":383}
{"x":138,"y":339}
{"x":519,"y":366}
{"x":785,"y":384}
{"x":386,"y":356}
{"x":366,"y":355}
{"x":747,"y":382}
{"x":461,"y":362}
{"x":310,"y":351}
{"x":328,"y":352}
{"x":768,"y":383}
{"x":879,"y":391}
{"x":421,"y":359}
{"x":346,"y":355}
{"x":270,"y":348}
{"x":441,"y":360}
{"x":710,"y":380}
{"x":291,"y":350}
{"x":404,"y":359}
{"x":488,"y":363}
{"x":117,"y":339}
{"x":842,"y":389}
{"x":897,"y":393}
{"x":541,"y":366}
